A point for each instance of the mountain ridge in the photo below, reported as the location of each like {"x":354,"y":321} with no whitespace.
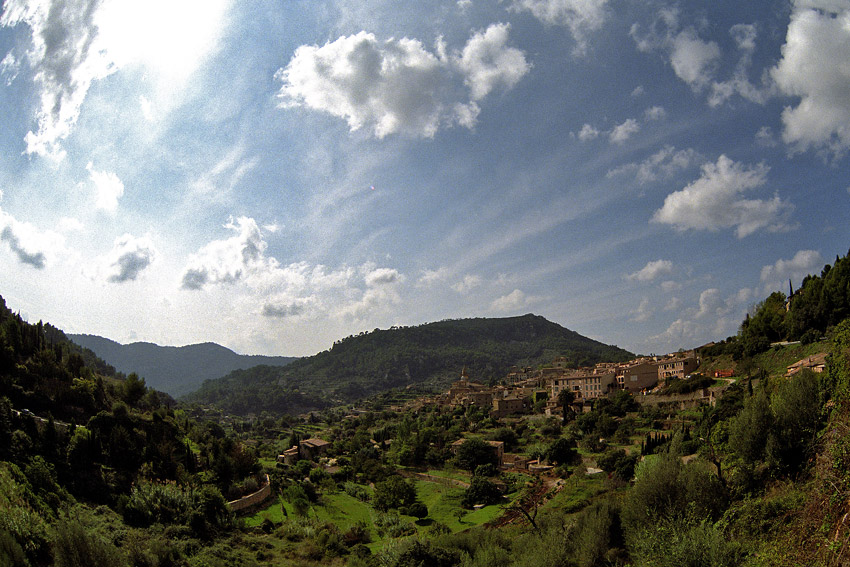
{"x":431,"y":355}
{"x":175,"y":370}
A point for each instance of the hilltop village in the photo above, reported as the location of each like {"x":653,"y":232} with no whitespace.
{"x":525,"y":389}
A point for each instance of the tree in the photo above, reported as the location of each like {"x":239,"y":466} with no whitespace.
{"x":565,"y":399}
{"x":481,"y":491}
{"x":474,"y":452}
{"x":394,"y":492}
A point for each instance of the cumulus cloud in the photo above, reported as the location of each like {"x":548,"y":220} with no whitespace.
{"x":30,"y":245}
{"x":382,"y":276}
{"x":398,"y":86}
{"x":579,"y":16}
{"x":655,"y":113}
{"x":697,"y":61}
{"x":517,"y":299}
{"x":108,"y":188}
{"x":624,"y":131}
{"x":652,"y":270}
{"x":129,"y":257}
{"x":813,"y":69}
{"x":587,"y":132}
{"x":714,"y":201}
{"x":710,"y":303}
{"x":663,"y":164}
{"x":693,"y":59}
{"x":804,"y":262}
{"x":230,"y":259}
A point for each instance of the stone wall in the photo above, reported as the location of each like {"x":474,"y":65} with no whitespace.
{"x":252,"y":500}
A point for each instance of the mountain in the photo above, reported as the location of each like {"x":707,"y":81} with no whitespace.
{"x":175,"y":370}
{"x":431,"y":355}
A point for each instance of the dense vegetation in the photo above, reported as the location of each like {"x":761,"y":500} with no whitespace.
{"x":430,"y":355}
{"x":175,"y":370}
{"x":806,"y":315}
{"x":85,"y":451}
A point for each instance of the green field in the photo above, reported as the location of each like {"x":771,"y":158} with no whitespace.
{"x":443,"y":502}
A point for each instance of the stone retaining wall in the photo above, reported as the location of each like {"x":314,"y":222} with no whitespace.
{"x":255,"y":499}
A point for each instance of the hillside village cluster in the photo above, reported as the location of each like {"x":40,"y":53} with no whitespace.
{"x":523,"y":387}
{"x":521,"y":390}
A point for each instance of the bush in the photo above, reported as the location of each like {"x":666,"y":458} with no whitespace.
{"x":75,"y":546}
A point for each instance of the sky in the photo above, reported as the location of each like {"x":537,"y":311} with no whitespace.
{"x":276,"y":175}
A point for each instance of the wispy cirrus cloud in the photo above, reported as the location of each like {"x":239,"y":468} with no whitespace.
{"x":77,"y":42}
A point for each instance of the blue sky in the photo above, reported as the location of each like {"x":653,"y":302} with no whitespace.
{"x":273,"y":176}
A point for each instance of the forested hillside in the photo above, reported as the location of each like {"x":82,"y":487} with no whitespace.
{"x":432,"y":355}
{"x":90,"y":459}
{"x":820,"y":303}
{"x":175,"y":370}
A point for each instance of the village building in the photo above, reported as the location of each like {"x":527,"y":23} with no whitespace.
{"x":815,"y":363}
{"x":503,"y":407}
{"x":312,"y":449}
{"x":676,"y":367}
{"x":638,"y":376}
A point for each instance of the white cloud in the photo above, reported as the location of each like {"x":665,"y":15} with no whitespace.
{"x":673,"y":304}
{"x":813,"y":68}
{"x":579,"y":16}
{"x":468,"y":282}
{"x":108,"y":188}
{"x":655,"y":113}
{"x":638,"y":91}
{"x":429,"y":278}
{"x":803,"y":263}
{"x":694,"y":60}
{"x":517,"y":299}
{"x":129,"y":257}
{"x":9,"y":68}
{"x":710,"y":303}
{"x":587,"y":132}
{"x":77,"y":42}
{"x":231,"y":259}
{"x":226,"y":174}
{"x":70,"y":224}
{"x":382,"y":276}
{"x":487,"y":62}
{"x":642,"y":313}
{"x":663,"y":164}
{"x":745,"y":38}
{"x":697,"y":61}
{"x":624,"y":131}
{"x":765,"y":138}
{"x":713,"y":201}
{"x":652,"y":270}
{"x":398,"y":86}
{"x":669,"y":286}
{"x":31,"y":246}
